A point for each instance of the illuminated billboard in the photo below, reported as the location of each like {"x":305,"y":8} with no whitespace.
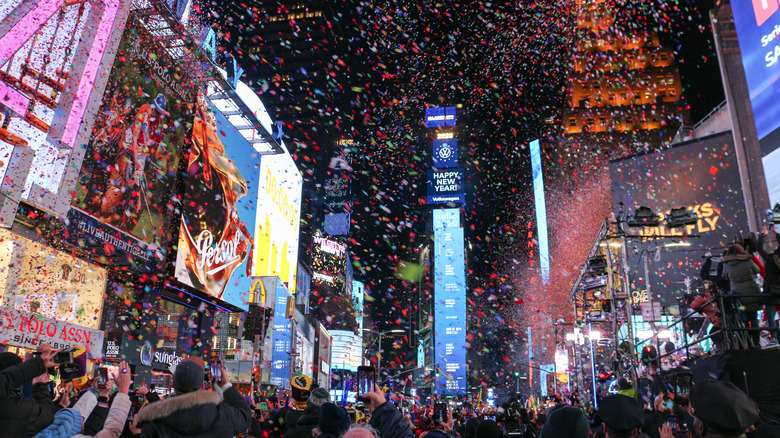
{"x":450,"y":298}
{"x":331,"y":300}
{"x":446,"y":186}
{"x":278,"y":219}
{"x":440,"y":117}
{"x":346,"y":350}
{"x":541,"y":210}
{"x":701,"y":175}
{"x":122,"y":209}
{"x":358,"y":296}
{"x":757,"y":23}
{"x":445,"y":152}
{"x":219,"y":208}
{"x":282,"y":339}
{"x":50,"y":54}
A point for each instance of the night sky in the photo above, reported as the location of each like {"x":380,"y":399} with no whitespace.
{"x":506,"y":63}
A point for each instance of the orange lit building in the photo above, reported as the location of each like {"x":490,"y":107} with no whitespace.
{"x":622,"y":80}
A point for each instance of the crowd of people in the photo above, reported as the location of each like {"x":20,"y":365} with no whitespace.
{"x":204,"y":407}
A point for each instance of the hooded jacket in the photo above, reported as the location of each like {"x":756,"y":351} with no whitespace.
{"x":387,"y":419}
{"x":305,"y":424}
{"x":200,"y":414}
{"x":741,"y":272}
{"x":24,"y":417}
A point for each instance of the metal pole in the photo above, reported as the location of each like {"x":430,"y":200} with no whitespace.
{"x":629,"y":304}
{"x":379,"y":358}
{"x":593,"y":369}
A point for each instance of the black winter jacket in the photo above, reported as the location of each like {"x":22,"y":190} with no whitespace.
{"x":24,"y":417}
{"x":306,"y":423}
{"x":390,"y":422}
{"x":200,"y":414}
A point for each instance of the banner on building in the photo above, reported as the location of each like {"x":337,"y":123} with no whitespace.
{"x":29,"y":330}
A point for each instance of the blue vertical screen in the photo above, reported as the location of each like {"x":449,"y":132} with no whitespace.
{"x":541,"y":211}
{"x":450,"y":304}
{"x":280,"y":357}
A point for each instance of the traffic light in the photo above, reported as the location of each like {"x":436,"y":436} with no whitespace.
{"x":256,"y":377}
{"x":517,"y":371}
{"x":606,"y":305}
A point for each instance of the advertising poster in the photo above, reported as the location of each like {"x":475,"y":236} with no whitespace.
{"x":331,"y":301}
{"x":440,"y":117}
{"x":43,"y":281}
{"x":28,"y":330}
{"x":278,"y":219}
{"x":450,"y":297}
{"x":302,"y":287}
{"x":122,"y":209}
{"x":700,"y":175}
{"x":282,"y":340}
{"x":446,"y":186}
{"x":757,"y":23}
{"x":219,"y":209}
{"x":445,"y":153}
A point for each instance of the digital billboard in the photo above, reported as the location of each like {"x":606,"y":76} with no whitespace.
{"x":446,"y":186}
{"x":701,"y":175}
{"x":440,"y":117}
{"x":278,"y":218}
{"x":445,"y":152}
{"x":282,"y":339}
{"x":50,"y":54}
{"x":302,"y":287}
{"x":219,"y":208}
{"x":331,"y":299}
{"x":358,"y":297}
{"x":756,"y":23}
{"x":450,"y":301}
{"x":541,"y":210}
{"x":346,"y":350}
{"x":122,"y":208}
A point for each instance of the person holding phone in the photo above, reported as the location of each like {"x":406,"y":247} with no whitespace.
{"x":26,"y":416}
{"x":385,"y":417}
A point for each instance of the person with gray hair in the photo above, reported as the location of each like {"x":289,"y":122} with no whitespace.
{"x":361,"y":430}
{"x":311,"y":415}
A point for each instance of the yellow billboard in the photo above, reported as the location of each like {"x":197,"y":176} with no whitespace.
{"x":278,"y":219}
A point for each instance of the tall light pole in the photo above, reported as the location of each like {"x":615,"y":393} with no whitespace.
{"x":379,"y":348}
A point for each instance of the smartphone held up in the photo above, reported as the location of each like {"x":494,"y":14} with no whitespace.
{"x":366,"y":379}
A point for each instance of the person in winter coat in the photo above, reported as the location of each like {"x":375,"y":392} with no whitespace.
{"x":741,"y":273}
{"x":194,"y":412}
{"x":772,"y":278}
{"x":385,"y":417}
{"x":311,"y":415}
{"x":25,"y":417}
{"x":117,"y":413}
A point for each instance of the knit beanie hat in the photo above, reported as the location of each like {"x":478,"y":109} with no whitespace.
{"x":333,"y":419}
{"x":566,"y":422}
{"x":318,"y":397}
{"x":489,"y":429}
{"x":300,"y":386}
{"x":67,"y":422}
{"x":8,"y":360}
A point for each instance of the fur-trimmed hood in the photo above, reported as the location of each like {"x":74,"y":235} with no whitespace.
{"x":737,"y":258}
{"x":171,"y":405}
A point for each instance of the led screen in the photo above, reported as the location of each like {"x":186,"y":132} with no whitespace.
{"x":446,"y":186}
{"x":450,"y":302}
{"x":445,"y":152}
{"x":440,"y":116}
{"x":541,"y":210}
{"x":331,"y":299}
{"x":756,"y":23}
{"x":282,"y":340}
{"x":219,"y":208}
{"x":122,"y":208}
{"x":700,"y":175}
{"x":278,"y":218}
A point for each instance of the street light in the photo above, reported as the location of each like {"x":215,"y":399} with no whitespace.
{"x":379,"y":349}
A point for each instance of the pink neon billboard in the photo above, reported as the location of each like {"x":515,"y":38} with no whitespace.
{"x":50,"y":58}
